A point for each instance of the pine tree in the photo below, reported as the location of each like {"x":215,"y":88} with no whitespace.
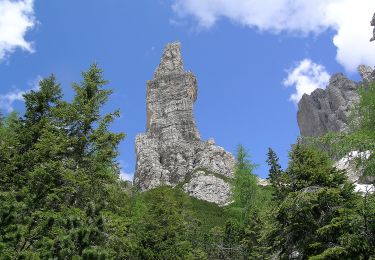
{"x":23,"y":163}
{"x":93,"y":148}
{"x":90,"y":170}
{"x":63,"y":161}
{"x":276,"y":174}
{"x":9,"y":152}
{"x":314,"y":218}
{"x":162,"y":229}
{"x":1,"y":119}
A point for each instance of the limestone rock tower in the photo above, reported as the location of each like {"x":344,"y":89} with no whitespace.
{"x":171,"y":151}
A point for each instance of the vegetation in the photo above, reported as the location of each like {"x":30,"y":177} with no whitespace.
{"x":61,"y":196}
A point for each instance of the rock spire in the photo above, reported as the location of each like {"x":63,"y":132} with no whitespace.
{"x":171,"y":151}
{"x":373,"y":24}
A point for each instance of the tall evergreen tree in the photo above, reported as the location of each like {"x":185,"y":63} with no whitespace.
{"x":314,"y":218}
{"x":162,"y":229}
{"x":276,"y":174}
{"x":92,"y":147}
{"x":241,"y":236}
{"x":245,"y":187}
{"x":1,"y":119}
{"x":64,"y":164}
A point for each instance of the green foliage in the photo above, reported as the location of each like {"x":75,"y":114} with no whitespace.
{"x":166,"y":228}
{"x":52,"y":156}
{"x":245,"y":187}
{"x":61,"y":196}
{"x":359,"y":137}
{"x":241,"y":237}
{"x":317,"y":218}
{"x":276,"y":175}
{"x":358,"y":228}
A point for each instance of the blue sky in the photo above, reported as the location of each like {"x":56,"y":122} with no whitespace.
{"x":249,"y":56}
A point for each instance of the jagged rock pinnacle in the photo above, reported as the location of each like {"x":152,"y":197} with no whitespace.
{"x":373,"y":24}
{"x":171,"y":61}
{"x":171,"y":151}
{"x":170,"y":99}
{"x":366,"y":72}
{"x":327,"y":110}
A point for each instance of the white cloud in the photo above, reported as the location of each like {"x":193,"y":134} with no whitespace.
{"x":306,"y":77}
{"x":7,"y":100}
{"x":16,"y":18}
{"x":350,"y":19}
{"x":126,"y":176}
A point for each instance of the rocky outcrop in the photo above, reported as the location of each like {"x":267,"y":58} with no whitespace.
{"x":373,"y":24}
{"x":327,"y":110}
{"x":367,"y":73}
{"x":171,"y":151}
{"x":208,"y":187}
{"x":349,"y":163}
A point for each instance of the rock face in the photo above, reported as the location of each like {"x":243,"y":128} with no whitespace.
{"x":363,"y":184}
{"x":367,"y":73}
{"x":171,"y":151}
{"x":348,"y":163}
{"x":373,"y":24}
{"x":327,"y":110}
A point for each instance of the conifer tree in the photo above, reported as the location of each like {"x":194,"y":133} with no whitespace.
{"x":313,"y":219}
{"x":245,"y":184}
{"x":63,"y":158}
{"x":242,"y":237}
{"x":162,"y":229}
{"x":276,"y":174}
{"x":92,"y":147}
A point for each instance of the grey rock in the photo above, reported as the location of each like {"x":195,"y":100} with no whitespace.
{"x":171,"y":150}
{"x":373,"y":24}
{"x":348,"y":163}
{"x":327,"y":110}
{"x":208,"y":187}
{"x":367,"y":73}
{"x":263,"y":182}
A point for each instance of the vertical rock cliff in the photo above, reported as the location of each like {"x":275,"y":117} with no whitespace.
{"x":327,"y":110}
{"x":373,"y":24}
{"x":171,"y":151}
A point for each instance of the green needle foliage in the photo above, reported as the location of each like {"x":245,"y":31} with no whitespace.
{"x":61,"y":196}
{"x":59,"y":173}
{"x":360,"y":135}
{"x":276,"y":175}
{"x":318,"y":217}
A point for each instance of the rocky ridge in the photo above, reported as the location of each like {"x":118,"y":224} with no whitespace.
{"x":327,"y":110}
{"x":373,"y":24}
{"x":171,"y":151}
